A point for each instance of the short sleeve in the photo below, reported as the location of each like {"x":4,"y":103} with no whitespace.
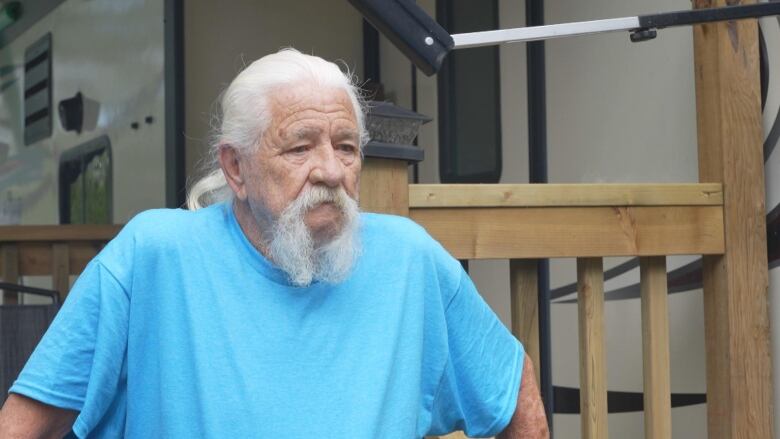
{"x":79,"y":363}
{"x":481,"y":380}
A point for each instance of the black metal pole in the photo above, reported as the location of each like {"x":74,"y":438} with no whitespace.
{"x":175,"y":183}
{"x":537,"y":159}
{"x":371,"y":69}
{"x":415,"y":166}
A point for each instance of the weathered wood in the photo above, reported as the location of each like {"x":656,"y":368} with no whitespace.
{"x":730,"y":138}
{"x":455,"y":435}
{"x":69,"y":232}
{"x":524,"y":302}
{"x":384,"y":186}
{"x":60,"y":268}
{"x":593,"y":372}
{"x":551,"y":232}
{"x":35,"y":258}
{"x":56,"y":251}
{"x":655,"y":348}
{"x":10,"y":255}
{"x":564,"y":195}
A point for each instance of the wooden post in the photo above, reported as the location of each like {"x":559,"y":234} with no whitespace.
{"x":730,"y":138}
{"x":524,"y":300}
{"x":10,"y":255}
{"x":655,"y":348}
{"x":384,"y":186}
{"x":60,"y":268}
{"x":593,"y":371}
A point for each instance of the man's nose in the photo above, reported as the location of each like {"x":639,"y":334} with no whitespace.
{"x":328,"y":170}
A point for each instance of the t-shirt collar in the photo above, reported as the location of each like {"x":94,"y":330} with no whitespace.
{"x":249,"y":251}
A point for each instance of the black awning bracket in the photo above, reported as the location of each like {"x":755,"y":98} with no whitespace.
{"x":426,"y":43}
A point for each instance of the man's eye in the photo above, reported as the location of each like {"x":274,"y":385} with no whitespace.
{"x":298,"y":150}
{"x":345,"y":147}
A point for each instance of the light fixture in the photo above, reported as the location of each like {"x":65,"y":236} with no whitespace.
{"x":392,"y":130}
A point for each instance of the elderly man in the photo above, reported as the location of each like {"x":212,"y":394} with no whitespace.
{"x":278,"y":310}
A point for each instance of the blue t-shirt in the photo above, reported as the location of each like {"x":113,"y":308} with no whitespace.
{"x":180,"y":328}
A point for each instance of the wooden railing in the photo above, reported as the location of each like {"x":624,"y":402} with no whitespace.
{"x":722,"y":218}
{"x":571,"y":220}
{"x":56,"y":251}
{"x":523,"y":223}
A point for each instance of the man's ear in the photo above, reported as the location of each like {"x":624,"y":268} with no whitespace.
{"x":229,"y":160}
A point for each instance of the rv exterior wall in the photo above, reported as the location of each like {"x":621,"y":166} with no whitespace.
{"x":111,"y":52}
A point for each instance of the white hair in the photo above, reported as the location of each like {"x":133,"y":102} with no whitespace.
{"x":243,"y":114}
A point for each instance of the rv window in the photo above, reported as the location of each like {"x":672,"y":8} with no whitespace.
{"x":469,"y":98}
{"x":85,"y":183}
{"x":37,"y":91}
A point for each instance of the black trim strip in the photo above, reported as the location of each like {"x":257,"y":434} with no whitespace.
{"x":536,"y":86}
{"x":371,"y":70}
{"x":382,"y":150}
{"x":763,"y":66}
{"x":685,"y":278}
{"x":609,"y":274}
{"x":772,"y":138}
{"x":410,"y":29}
{"x":42,"y":85}
{"x":33,"y":63}
{"x":567,"y":400}
{"x":773,"y":236}
{"x":698,"y":16}
{"x":35,"y":117}
{"x":682,"y":279}
{"x":175,"y":179}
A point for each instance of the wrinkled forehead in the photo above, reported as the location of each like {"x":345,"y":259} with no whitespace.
{"x":297,"y":97}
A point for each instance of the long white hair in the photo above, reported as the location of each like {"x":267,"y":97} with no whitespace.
{"x":243,"y":114}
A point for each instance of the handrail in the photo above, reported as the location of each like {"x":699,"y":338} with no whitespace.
{"x":67,"y":232}
{"x":16,"y":288}
{"x":565,"y":195}
{"x":526,"y":221}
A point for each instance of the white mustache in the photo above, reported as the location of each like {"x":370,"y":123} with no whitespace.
{"x":317,"y":195}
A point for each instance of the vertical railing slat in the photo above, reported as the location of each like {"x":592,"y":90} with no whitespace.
{"x":655,"y":348}
{"x":524,"y":300}
{"x":60,"y":268}
{"x":593,"y":374}
{"x":10,"y":255}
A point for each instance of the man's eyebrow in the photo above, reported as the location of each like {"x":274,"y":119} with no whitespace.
{"x":306,"y":132}
{"x":347,"y":133}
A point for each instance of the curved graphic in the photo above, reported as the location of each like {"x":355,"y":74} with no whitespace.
{"x":686,"y":278}
{"x":613,"y":272}
{"x":567,"y":400}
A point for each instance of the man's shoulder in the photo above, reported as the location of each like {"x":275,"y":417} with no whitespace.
{"x":399,"y":234}
{"x":396,"y":241}
{"x":393,"y":227}
{"x":161,"y":228}
{"x":171,"y":222}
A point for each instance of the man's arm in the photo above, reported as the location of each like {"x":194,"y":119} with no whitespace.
{"x":529,"y":420}
{"x":22,"y":417}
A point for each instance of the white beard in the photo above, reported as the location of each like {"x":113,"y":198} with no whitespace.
{"x":292,"y":248}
